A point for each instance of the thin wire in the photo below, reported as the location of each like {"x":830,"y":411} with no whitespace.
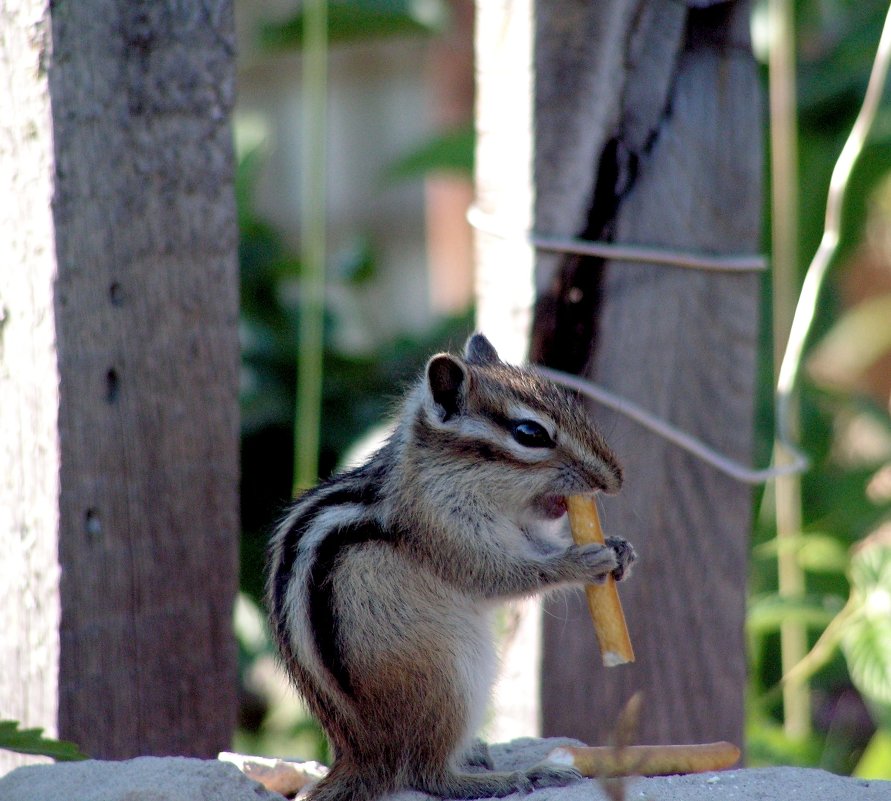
{"x":622,"y":252}
{"x":682,"y":439}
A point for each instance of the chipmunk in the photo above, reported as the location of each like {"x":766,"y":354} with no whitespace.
{"x":382,"y":580}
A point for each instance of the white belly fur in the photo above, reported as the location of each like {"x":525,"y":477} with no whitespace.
{"x":476,"y":666}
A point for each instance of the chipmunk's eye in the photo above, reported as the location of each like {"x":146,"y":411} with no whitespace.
{"x":531,"y":434}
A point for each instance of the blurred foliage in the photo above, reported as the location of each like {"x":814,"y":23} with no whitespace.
{"x":449,"y":152}
{"x":272,"y":718}
{"x":359,"y":392}
{"x":361,"y":20}
{"x":846,"y":432}
{"x":359,"y":388}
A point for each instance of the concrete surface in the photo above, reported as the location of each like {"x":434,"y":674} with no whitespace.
{"x":179,"y":779}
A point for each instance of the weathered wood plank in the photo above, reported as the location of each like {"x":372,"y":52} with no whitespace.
{"x":147,"y":309}
{"x":29,"y":483}
{"x":682,"y":344}
{"x":143,"y":243}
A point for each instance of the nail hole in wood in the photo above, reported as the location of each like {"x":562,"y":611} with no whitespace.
{"x":112,"y":385}
{"x":116,"y":294}
{"x":92,"y":524}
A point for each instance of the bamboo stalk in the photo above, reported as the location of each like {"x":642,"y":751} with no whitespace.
{"x":784,"y":245}
{"x":313,"y":253}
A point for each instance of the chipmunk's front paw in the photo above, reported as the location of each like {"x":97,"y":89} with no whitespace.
{"x":625,"y":557}
{"x":598,"y":561}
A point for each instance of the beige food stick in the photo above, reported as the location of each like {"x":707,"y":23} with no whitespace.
{"x":603,"y":599}
{"x":647,"y":760}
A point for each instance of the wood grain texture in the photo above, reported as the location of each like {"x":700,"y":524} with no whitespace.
{"x":602,"y":91}
{"x":146,"y":307}
{"x":29,"y":482}
{"x":681,"y":344}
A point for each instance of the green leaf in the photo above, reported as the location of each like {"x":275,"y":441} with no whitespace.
{"x":866,"y":645}
{"x":247,"y":172}
{"x":32,"y":741}
{"x":866,"y":642}
{"x":836,"y":499}
{"x":875,"y":763}
{"x":768,"y":744}
{"x":360,"y":20}
{"x":357,"y":264}
{"x":448,"y":152}
{"x":817,"y":552}
{"x":767,"y":612}
{"x":871,"y":564}
{"x":838,"y":44}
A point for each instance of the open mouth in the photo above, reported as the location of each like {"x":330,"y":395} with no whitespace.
{"x":551,"y":507}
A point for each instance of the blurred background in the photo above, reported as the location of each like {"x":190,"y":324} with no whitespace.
{"x":399,"y":284}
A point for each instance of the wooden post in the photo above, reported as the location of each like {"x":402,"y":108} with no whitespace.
{"x":29,"y":400}
{"x":647,"y":131}
{"x":125,"y":433}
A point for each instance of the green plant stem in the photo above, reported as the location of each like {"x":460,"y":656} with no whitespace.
{"x":823,"y":649}
{"x":784,"y":231}
{"x":815,"y":659}
{"x":313,"y":253}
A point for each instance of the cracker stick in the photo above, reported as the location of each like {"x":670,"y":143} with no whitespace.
{"x":646,"y":760}
{"x":603,"y":599}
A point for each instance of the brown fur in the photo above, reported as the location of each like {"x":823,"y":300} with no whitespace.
{"x":382,"y":581}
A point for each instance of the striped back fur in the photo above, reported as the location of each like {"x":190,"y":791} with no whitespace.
{"x":381,"y":579}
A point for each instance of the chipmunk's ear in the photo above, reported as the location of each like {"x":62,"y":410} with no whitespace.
{"x":447,"y":381}
{"x":479,"y":350}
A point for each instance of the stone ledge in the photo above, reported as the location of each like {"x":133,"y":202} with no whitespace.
{"x":182,"y":779}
